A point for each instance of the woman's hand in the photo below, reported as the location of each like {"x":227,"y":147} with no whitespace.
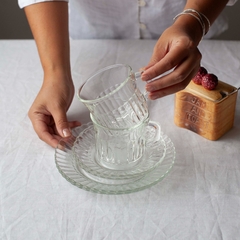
{"x":48,"y":111}
{"x":49,"y":25}
{"x":175,"y":50}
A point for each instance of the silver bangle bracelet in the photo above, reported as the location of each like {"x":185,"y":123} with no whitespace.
{"x":202,"y":16}
{"x":196,"y":17}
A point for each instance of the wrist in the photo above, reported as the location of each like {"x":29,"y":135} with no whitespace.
{"x":191,"y":26}
{"x":57,"y":70}
{"x":58,"y":75}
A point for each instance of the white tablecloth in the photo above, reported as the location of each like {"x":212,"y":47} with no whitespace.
{"x":199,"y":199}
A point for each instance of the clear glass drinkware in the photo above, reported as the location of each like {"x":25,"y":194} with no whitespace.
{"x":120,"y":116}
{"x":113,"y":98}
{"x":122,"y":149}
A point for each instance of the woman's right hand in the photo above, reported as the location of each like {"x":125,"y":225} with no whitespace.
{"x":48,"y":111}
{"x":49,"y":25}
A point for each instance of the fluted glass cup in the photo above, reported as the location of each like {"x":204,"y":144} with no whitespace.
{"x":123,"y":149}
{"x":113,"y":98}
{"x":120,"y":116}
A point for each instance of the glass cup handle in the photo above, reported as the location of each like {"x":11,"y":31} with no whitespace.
{"x":137,"y":76}
{"x":153,"y":131}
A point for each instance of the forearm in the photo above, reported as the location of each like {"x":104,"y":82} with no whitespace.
{"x":49,"y":24}
{"x":210,"y":8}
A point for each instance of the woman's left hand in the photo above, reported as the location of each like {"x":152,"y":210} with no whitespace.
{"x":175,"y":50}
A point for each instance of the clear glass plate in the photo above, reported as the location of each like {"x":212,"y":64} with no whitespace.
{"x":84,"y":149}
{"x":66,"y":163}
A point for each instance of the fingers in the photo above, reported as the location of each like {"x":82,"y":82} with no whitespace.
{"x":176,"y":55}
{"x":61,"y":122}
{"x":174,"y":62}
{"x":183,"y":70}
{"x":175,"y":69}
{"x":50,"y":125}
{"x":74,"y":124}
{"x":167,"y":89}
{"x":43,"y":126}
{"x":62,"y":126}
{"x":162,"y":65}
{"x":48,"y":111}
{"x":158,"y":53}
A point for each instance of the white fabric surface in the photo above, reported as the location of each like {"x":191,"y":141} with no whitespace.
{"x":143,"y":19}
{"x":199,"y":199}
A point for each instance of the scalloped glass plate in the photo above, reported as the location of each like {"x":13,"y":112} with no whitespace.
{"x":84,"y":149}
{"x":66,"y":164}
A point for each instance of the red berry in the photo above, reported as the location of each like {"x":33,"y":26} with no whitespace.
{"x":198,"y":78}
{"x":209,"y":81}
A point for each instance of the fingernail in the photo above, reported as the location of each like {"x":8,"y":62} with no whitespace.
{"x":66,"y":132}
{"x":145,"y":77}
{"x":153,"y":97}
{"x":149,"y":88}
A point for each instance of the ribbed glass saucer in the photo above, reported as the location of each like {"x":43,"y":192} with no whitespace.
{"x":68,"y":165}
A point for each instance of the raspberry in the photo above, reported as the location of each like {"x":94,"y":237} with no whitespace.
{"x":209,"y":81}
{"x":198,"y":78}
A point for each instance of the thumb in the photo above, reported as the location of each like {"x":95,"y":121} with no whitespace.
{"x":159,"y":53}
{"x":61,"y":122}
{"x":149,"y":71}
{"x":151,"y":63}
